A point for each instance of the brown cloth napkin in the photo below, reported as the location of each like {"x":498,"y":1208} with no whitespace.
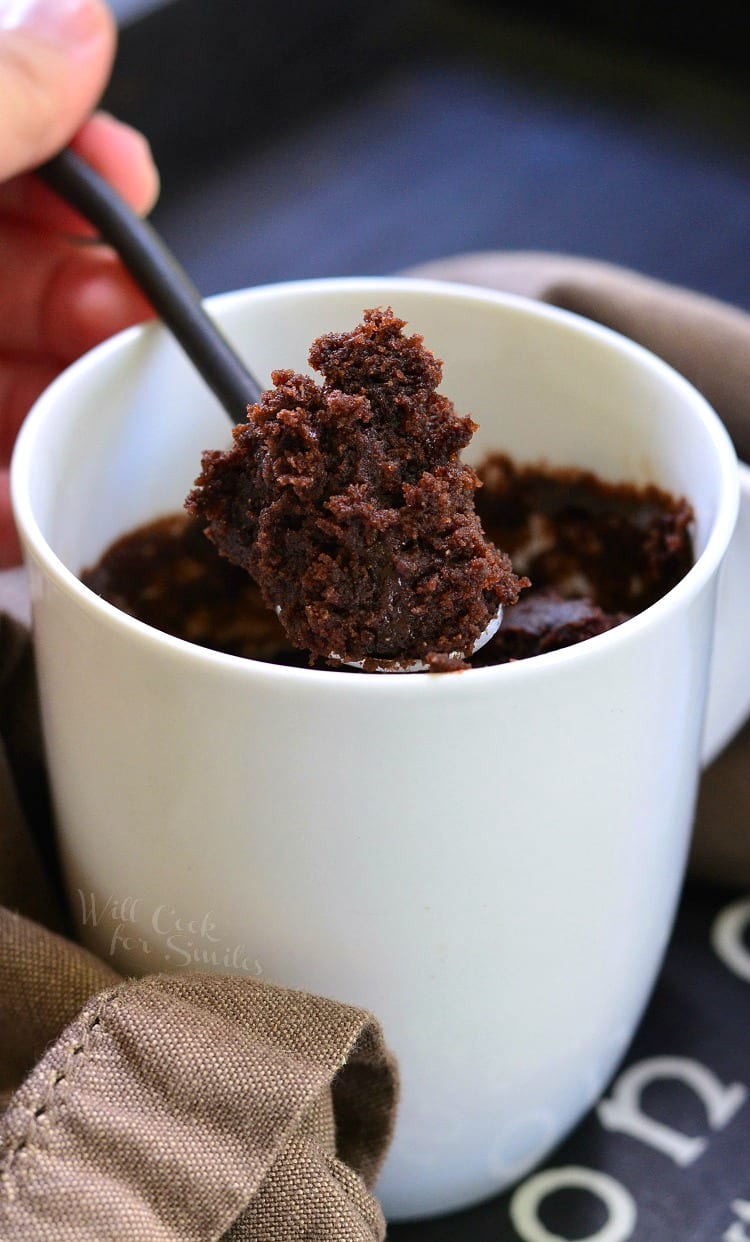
{"x":191,"y":1106}
{"x":174,"y":1107}
{"x":707,"y":341}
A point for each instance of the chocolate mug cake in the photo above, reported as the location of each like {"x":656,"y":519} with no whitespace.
{"x":349,"y":529}
{"x":459,"y":852}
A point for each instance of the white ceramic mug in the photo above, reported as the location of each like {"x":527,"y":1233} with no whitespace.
{"x":488,"y":861}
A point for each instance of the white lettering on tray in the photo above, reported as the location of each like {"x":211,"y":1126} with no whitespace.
{"x":727,"y":937}
{"x":620,"y":1205}
{"x":736,"y":1231}
{"x":623,"y":1112}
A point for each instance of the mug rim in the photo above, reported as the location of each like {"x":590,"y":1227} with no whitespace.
{"x":180,"y":650}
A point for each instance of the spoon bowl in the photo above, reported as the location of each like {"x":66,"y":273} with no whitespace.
{"x":374,"y":665}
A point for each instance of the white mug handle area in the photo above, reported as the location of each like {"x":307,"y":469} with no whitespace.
{"x":729,"y":686}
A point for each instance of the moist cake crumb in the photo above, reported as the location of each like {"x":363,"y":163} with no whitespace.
{"x":348,"y":504}
{"x":597,"y":552}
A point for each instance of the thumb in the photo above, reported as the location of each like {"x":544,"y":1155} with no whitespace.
{"x":55,"y":59}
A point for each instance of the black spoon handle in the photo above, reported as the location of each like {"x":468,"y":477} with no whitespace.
{"x":159,"y":275}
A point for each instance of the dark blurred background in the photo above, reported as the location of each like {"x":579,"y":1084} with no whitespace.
{"x":339,"y":137}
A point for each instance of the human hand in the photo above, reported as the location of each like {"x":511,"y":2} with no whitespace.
{"x":58,"y":295}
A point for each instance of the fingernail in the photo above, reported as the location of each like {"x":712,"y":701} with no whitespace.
{"x":70,"y":22}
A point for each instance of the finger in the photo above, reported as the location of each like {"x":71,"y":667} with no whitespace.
{"x":10,"y":548}
{"x":120,"y":153}
{"x":123,"y":157}
{"x":55,"y":58}
{"x":58,"y":298}
{"x":21,"y":382}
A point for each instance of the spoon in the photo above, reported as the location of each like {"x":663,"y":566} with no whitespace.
{"x":176,"y":300}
